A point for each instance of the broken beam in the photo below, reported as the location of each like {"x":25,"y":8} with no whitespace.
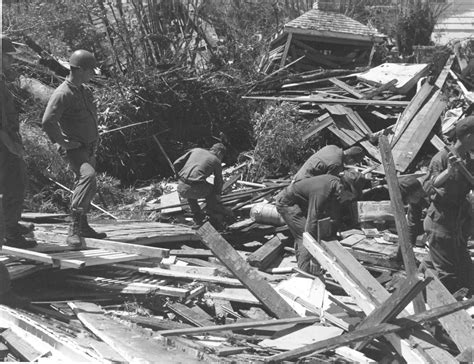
{"x":245,"y":273}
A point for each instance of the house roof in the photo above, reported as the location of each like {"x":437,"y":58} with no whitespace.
{"x":330,"y":24}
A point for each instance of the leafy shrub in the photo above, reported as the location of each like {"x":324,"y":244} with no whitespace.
{"x":278,"y":133}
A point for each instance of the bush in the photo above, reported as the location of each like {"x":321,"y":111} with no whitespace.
{"x":278,"y":134}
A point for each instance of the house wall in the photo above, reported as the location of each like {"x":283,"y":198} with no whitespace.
{"x":457,"y":22}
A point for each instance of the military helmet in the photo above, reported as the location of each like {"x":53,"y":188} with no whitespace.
{"x":82,"y":59}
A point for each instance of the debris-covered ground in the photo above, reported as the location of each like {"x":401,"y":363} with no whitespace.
{"x":161,"y":291}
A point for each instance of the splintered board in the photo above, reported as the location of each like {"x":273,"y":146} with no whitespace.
{"x":142,"y":233}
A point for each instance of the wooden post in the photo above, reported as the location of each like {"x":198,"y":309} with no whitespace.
{"x":249,"y":276}
{"x":285,"y":51}
{"x":400,"y":218}
{"x":155,"y":138}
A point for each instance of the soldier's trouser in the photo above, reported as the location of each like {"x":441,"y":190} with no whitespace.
{"x":82,"y":162}
{"x":195,"y":190}
{"x":452,"y":261}
{"x":295,"y":218}
{"x":13,"y":181}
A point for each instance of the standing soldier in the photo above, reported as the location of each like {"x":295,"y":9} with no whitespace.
{"x":193,"y":169}
{"x":13,"y":178}
{"x":70,"y":120}
{"x":448,"y":218}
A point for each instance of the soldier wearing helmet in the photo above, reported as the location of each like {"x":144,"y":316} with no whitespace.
{"x":12,"y":178}
{"x":70,"y":121}
{"x":308,"y":200}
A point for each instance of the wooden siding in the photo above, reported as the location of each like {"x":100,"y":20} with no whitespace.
{"x":456,"y":23}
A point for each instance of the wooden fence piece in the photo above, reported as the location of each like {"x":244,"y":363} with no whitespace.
{"x":239,"y":326}
{"x":266,"y":254}
{"x":245,"y":273}
{"x":400,"y":217}
{"x":458,"y":325}
{"x":369,"y":294}
{"x":397,"y":302}
{"x":365,"y":334}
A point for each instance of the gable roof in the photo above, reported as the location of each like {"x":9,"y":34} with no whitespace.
{"x":328,"y":24}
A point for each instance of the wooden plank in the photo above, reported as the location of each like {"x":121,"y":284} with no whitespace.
{"x":386,"y":86}
{"x":193,"y":269}
{"x":321,"y":100}
{"x":203,"y":253}
{"x":239,"y":326}
{"x":368,"y":294}
{"x":400,"y":217}
{"x":117,"y":246}
{"x":379,"y":330}
{"x":197,"y":319}
{"x":410,"y":142}
{"x":444,"y":72}
{"x":344,"y":86}
{"x":68,"y":349}
{"x":357,"y":119}
{"x":234,"y":295}
{"x":245,"y":273}
{"x":322,"y":123}
{"x":393,"y":305}
{"x":187,"y":276}
{"x":336,"y":321}
{"x":344,"y":124}
{"x":409,"y":113}
{"x":266,"y":254}
{"x":55,"y":261}
{"x":20,"y":347}
{"x":458,"y":325}
{"x":371,"y":149}
{"x":133,"y":344}
{"x":346,"y":139}
{"x":106,"y":353}
{"x":127,"y":287}
{"x":170,"y":199}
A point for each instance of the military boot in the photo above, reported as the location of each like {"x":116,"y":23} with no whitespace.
{"x":14,"y":238}
{"x":88,"y":232}
{"x":25,"y":228}
{"x":74,"y":238}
